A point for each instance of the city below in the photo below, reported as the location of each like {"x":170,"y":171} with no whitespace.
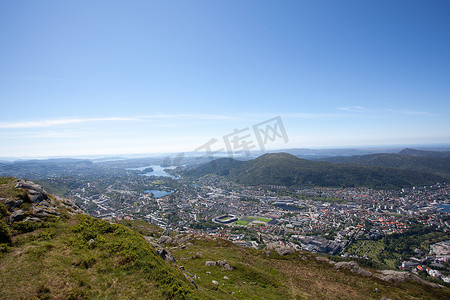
{"x":406,"y":228}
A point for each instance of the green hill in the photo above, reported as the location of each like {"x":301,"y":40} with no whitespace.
{"x":408,"y":159}
{"x":289,"y":170}
{"x":50,"y":249}
{"x":220,"y":166}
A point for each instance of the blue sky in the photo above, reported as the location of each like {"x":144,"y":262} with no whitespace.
{"x":115,"y":77}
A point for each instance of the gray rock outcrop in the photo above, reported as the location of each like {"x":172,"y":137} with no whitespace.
{"x":165,"y":239}
{"x":399,"y":276}
{"x":353,"y":267}
{"x":35,"y":192}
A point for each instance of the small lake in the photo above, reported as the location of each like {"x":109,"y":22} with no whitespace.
{"x":157,"y":171}
{"x":444,"y":208}
{"x":158,"y":193}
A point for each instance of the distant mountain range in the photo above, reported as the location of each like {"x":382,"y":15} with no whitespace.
{"x":404,"y":168}
{"x":322,"y":153}
{"x":289,"y":170}
{"x":408,"y":159}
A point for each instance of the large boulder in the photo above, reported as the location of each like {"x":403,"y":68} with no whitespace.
{"x":166,"y":255}
{"x":353,"y":267}
{"x":283,"y":250}
{"x":30,"y":186}
{"x":35,"y":192}
{"x":165,"y":239}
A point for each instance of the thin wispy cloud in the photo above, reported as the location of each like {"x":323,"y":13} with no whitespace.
{"x":59,"y":122}
{"x":353,"y":108}
{"x":69,"y":121}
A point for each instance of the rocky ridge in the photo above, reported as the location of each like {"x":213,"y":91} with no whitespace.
{"x":35,"y":203}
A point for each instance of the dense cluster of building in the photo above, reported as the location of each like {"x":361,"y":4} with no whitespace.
{"x":317,"y":219}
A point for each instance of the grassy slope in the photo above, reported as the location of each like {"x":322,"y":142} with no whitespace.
{"x":78,"y":257}
{"x":57,"y":262}
{"x":60,"y":262}
{"x":258,"y":276}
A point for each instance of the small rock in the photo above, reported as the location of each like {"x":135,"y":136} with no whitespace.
{"x":221,"y":262}
{"x":210,"y":263}
{"x":44,"y":211}
{"x":69,"y":202}
{"x":208,"y":273}
{"x":190,"y":279}
{"x":215,"y":282}
{"x":44,"y":203}
{"x":227,"y":267}
{"x":13,"y":203}
{"x":18,"y":215}
{"x":8,"y":202}
{"x":225,"y":277}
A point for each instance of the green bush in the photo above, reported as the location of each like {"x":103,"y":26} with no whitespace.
{"x":24,"y":227}
{"x":5,"y":233}
{"x":3,"y":211}
{"x":3,"y":248}
{"x":4,"y":180}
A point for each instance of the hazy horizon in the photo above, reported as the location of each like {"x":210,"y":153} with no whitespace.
{"x":371,"y":149}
